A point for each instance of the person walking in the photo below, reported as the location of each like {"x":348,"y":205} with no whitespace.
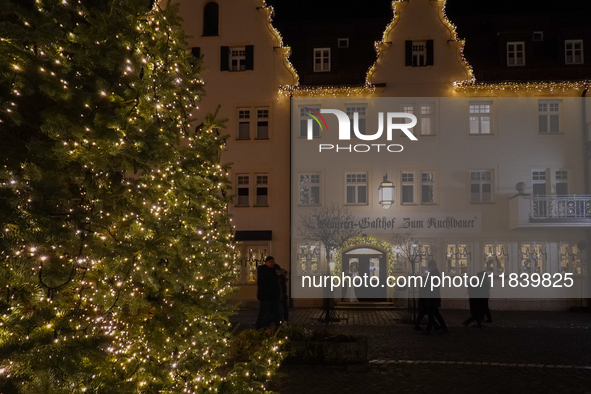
{"x":433,"y":302}
{"x":269,"y":295}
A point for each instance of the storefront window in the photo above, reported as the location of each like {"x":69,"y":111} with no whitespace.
{"x":496,"y":257}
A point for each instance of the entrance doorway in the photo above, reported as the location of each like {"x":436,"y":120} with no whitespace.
{"x":371,"y":262}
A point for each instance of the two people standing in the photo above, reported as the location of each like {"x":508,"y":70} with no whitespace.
{"x":271,"y":293}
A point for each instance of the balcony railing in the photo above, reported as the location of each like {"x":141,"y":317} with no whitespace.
{"x":560,"y":207}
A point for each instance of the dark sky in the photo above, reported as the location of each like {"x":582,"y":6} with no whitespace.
{"x":287,"y":10}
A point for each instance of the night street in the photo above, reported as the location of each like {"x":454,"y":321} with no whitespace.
{"x":541,"y":352}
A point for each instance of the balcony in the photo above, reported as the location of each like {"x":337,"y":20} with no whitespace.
{"x":550,"y":211}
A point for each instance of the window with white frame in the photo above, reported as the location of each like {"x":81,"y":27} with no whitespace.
{"x":360,"y":110}
{"x":243,"y":189}
{"x":480,"y":117}
{"x":533,"y":257}
{"x":356,"y":188}
{"x":570,"y":259}
{"x":419,"y":53}
{"x":481,"y":186}
{"x":458,"y":257}
{"x":262,"y":190}
{"x":407,"y":188}
{"x":309,"y":190}
{"x":262,"y":132}
{"x":516,"y":53}
{"x":426,"y":119}
{"x":573,"y":51}
{"x":561,"y":182}
{"x":307,"y":119}
{"x":538,"y":180}
{"x":496,"y":256}
{"x":427,"y":187}
{"x":425,"y":114}
{"x":321,"y":59}
{"x":549,"y":116}
{"x":243,"y":124}
{"x":409,"y":109}
{"x":237,"y":59}
{"x":308,"y":258}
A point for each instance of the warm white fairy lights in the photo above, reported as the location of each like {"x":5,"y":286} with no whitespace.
{"x":130,"y":262}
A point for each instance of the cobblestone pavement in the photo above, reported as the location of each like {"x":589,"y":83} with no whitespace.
{"x":523,"y":352}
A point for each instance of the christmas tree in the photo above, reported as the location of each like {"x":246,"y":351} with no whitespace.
{"x":116,"y":250}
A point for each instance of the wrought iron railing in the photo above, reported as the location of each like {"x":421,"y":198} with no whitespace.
{"x":560,"y":207}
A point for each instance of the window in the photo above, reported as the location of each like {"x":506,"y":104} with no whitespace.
{"x":237,"y":59}
{"x":306,"y":120}
{"x":533,"y":256}
{"x":262,"y":187}
{"x":480,"y":117}
{"x":425,"y":117}
{"x":243,"y":186}
{"x":308,"y":258}
{"x":409,"y":109}
{"x":343,"y":43}
{"x":426,"y":122}
{"x":573,"y":51}
{"x":561,"y":182}
{"x":211,"y":19}
{"x":516,"y":53}
{"x":419,"y":53}
{"x":570,"y":259}
{"x":262,"y":132}
{"x":427,"y":188}
{"x":538,"y":178}
{"x":243,"y":124}
{"x":361,"y":117}
{"x":496,"y":257}
{"x":549,"y":116}
{"x":356,"y":189}
{"x":538,"y":36}
{"x":458,"y":256}
{"x":309,"y":189}
{"x":321,"y":59}
{"x":407,"y":188}
{"x":481,"y":186}
{"x":250,"y":256}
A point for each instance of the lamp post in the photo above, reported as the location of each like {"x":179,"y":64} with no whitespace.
{"x":386,"y":190}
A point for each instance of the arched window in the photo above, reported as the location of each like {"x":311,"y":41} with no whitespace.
{"x":211,"y":13}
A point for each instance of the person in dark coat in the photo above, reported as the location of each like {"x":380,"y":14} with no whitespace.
{"x":478,"y":298}
{"x":282,"y":274}
{"x":269,"y":295}
{"x":433,"y":302}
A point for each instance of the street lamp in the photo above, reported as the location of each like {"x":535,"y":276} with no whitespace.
{"x":386,"y":190}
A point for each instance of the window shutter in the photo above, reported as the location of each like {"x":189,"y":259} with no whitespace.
{"x":249,"y":60}
{"x":408,"y":48}
{"x":225,"y":59}
{"x":196,"y":51}
{"x":429,"y":52}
